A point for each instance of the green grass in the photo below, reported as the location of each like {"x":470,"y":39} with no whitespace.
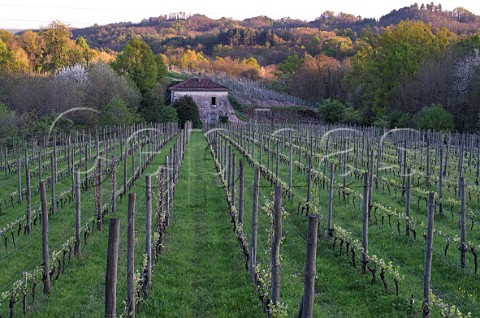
{"x":177,"y":76}
{"x":341,"y":290}
{"x":80,"y":291}
{"x":202,"y":271}
{"x":238,"y":108}
{"x":241,"y":116}
{"x":344,"y":291}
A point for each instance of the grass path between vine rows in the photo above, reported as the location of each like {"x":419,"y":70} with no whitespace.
{"x":202,"y":271}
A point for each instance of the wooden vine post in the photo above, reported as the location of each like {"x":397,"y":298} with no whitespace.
{"x":370,"y":182}
{"x":72,"y":166}
{"x":86,"y":149}
{"x":148,"y":238}
{"x":111,"y":272}
{"x":269,"y":155}
{"x":407,"y":208}
{"x":330,"y":201}
{"x":253,"y":244}
{"x":241,"y":198}
{"x":54,"y":165}
{"x":277,"y":159}
{"x":98,"y":194}
{"x":167,"y":190}
{"x":45,"y":253}
{"x":277,"y":237}
{"x":29,"y":194}
{"x":40,"y":165}
{"x":132,"y":152}
{"x":463,"y":226}
{"x":131,"y":256}
{"x":428,"y":255}
{"x":309,"y":181}
{"x":366,"y":193}
{"x":24,"y":300}
{"x":229,"y":169}
{"x":19,"y":173}
{"x":125,"y":157}
{"x":233,"y":173}
{"x":114,"y":184}
{"x":310,"y":267}
{"x":52,"y":185}
{"x":290,"y":163}
{"x":404,"y":152}
{"x":344,"y":174}
{"x":78,"y":213}
{"x":440,"y":182}
{"x":69,"y":153}
{"x":427,"y":171}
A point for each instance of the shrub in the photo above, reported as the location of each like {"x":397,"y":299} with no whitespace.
{"x":435,"y":118}
{"x":167,"y":114}
{"x":352,"y":116}
{"x":105,"y":84}
{"x":116,"y":112}
{"x":400,"y":119}
{"x":187,"y":110}
{"x":224,"y":119}
{"x":331,"y":111}
{"x":8,"y":122}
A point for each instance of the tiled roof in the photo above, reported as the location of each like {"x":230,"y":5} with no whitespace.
{"x":198,"y":84}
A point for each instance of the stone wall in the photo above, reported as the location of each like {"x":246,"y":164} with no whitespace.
{"x":211,"y":105}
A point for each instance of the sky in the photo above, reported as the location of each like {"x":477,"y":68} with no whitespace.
{"x":33,"y":14}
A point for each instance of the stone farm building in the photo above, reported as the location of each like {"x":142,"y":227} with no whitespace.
{"x":211,"y":98}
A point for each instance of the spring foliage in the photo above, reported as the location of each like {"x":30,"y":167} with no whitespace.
{"x":187,"y":111}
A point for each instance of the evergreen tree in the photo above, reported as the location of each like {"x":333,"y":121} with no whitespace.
{"x":187,"y":110}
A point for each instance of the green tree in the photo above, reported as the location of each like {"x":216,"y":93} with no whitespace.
{"x":117,"y":113}
{"x":289,"y":66}
{"x":138,"y":63}
{"x":6,"y":58}
{"x":8,"y":122}
{"x":251,"y":61}
{"x":84,"y":49}
{"x":104,"y":84}
{"x":187,"y":110}
{"x":56,"y":38}
{"x":332,"y":111}
{"x":41,"y":125}
{"x":167,"y":114}
{"x":152,"y":101}
{"x":314,"y":47}
{"x":12,"y":60}
{"x":352,"y":116}
{"x":338,"y":47}
{"x":162,"y":69}
{"x":382,"y":61}
{"x":435,"y":118}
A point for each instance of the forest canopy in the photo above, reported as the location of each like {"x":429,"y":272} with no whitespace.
{"x":386,"y":71}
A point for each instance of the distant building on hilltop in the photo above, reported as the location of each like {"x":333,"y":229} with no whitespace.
{"x":210,"y":97}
